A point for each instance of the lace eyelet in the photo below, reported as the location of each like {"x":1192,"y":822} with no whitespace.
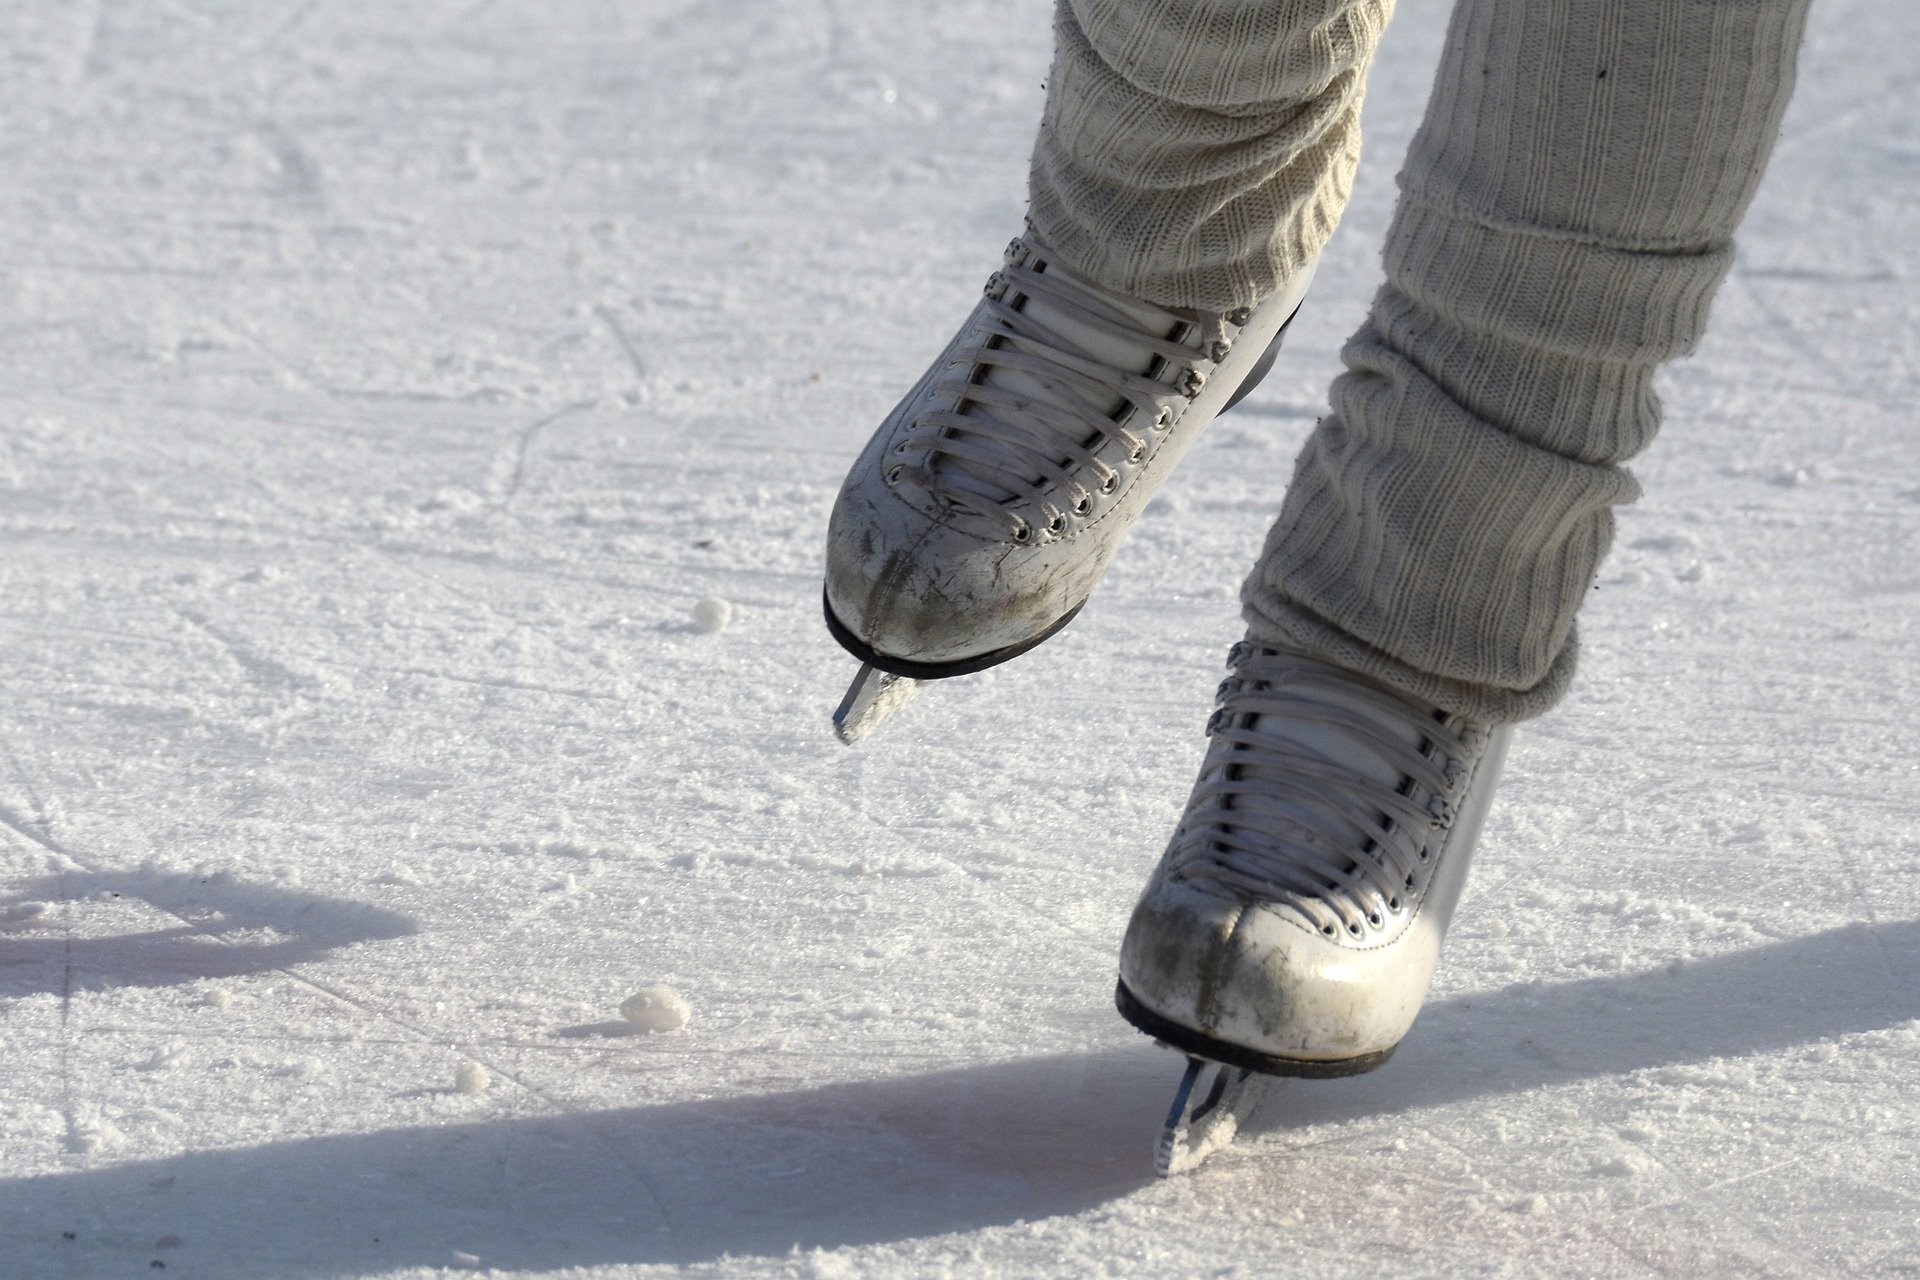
{"x":1022,"y":532}
{"x":1375,"y":919}
{"x":893,"y":476}
{"x":1163,"y":419}
{"x":1056,"y":525}
{"x":1084,"y":507}
{"x":1109,"y":484}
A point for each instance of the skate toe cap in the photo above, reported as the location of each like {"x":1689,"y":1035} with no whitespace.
{"x":911,"y":588}
{"x":1244,"y":973}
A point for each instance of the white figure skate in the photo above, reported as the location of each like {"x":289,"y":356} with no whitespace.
{"x":989,"y":503}
{"x":1293,"y":925}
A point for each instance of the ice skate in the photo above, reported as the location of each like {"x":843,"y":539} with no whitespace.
{"x":989,"y":503}
{"x":1293,"y":925}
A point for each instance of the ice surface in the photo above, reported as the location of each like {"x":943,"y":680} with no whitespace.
{"x":381,"y":386}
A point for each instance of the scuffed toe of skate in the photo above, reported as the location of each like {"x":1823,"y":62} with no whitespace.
{"x":925,"y":599}
{"x":1243,"y":975}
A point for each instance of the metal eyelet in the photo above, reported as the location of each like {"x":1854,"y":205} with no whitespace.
{"x":1084,"y":506}
{"x":1056,"y":525}
{"x":1239,"y":316}
{"x":1023,"y":532}
{"x":1109,"y":483}
{"x":1163,"y":419}
{"x":893,"y":476}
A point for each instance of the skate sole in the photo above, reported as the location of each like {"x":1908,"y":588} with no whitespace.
{"x":1198,"y":1045}
{"x":934,"y":670}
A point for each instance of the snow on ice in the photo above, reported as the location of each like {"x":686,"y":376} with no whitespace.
{"x":656,"y":1008}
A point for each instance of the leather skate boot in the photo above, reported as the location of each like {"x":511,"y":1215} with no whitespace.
{"x":988,"y":504}
{"x":1293,"y":925}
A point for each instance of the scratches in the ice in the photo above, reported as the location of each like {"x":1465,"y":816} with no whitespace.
{"x":624,"y":339}
{"x":275,"y":34}
{"x":36,"y":832}
{"x":27,"y":830}
{"x":87,"y":63}
{"x":264,"y":670}
{"x":507,"y":470}
{"x":300,"y":180}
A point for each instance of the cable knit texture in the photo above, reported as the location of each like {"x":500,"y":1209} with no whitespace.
{"x":1195,"y":153}
{"x":1566,"y":215}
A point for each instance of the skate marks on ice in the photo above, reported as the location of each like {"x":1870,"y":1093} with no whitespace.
{"x":75,"y":928}
{"x":900,"y":1158}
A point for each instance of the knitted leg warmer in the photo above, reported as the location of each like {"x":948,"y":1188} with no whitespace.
{"x":1195,"y":153}
{"x":1566,"y":215}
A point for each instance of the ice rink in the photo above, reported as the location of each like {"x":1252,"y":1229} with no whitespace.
{"x":383,"y":389}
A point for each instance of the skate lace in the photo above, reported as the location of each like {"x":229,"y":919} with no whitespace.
{"x":1335,"y":847}
{"x":998,"y":448}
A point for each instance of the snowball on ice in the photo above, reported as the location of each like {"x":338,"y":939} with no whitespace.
{"x":712,"y":614}
{"x":471,"y":1077}
{"x":657,"y":1008}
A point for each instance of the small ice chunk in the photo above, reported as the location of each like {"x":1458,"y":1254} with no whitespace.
{"x":471,"y":1077}
{"x":712,"y":614}
{"x":218,"y":998}
{"x":657,"y":1008}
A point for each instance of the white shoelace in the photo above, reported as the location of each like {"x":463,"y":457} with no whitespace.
{"x":1302,"y":815}
{"x":1046,"y":440}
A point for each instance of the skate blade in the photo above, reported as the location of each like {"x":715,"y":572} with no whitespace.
{"x":1209,"y":1105}
{"x":871,"y":701}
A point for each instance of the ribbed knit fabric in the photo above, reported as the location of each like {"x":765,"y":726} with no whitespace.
{"x":1566,"y":215}
{"x":1195,"y":153}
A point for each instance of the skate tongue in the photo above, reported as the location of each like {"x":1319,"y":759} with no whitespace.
{"x":1344,"y":734}
{"x":1071,"y":333}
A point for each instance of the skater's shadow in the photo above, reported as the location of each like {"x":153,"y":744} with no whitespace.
{"x":217,"y":927}
{"x":900,"y":1158}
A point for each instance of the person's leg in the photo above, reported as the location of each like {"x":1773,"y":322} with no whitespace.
{"x":1566,"y":215}
{"x":1191,"y":162}
{"x":1198,"y":154}
{"x":1567,"y":212}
